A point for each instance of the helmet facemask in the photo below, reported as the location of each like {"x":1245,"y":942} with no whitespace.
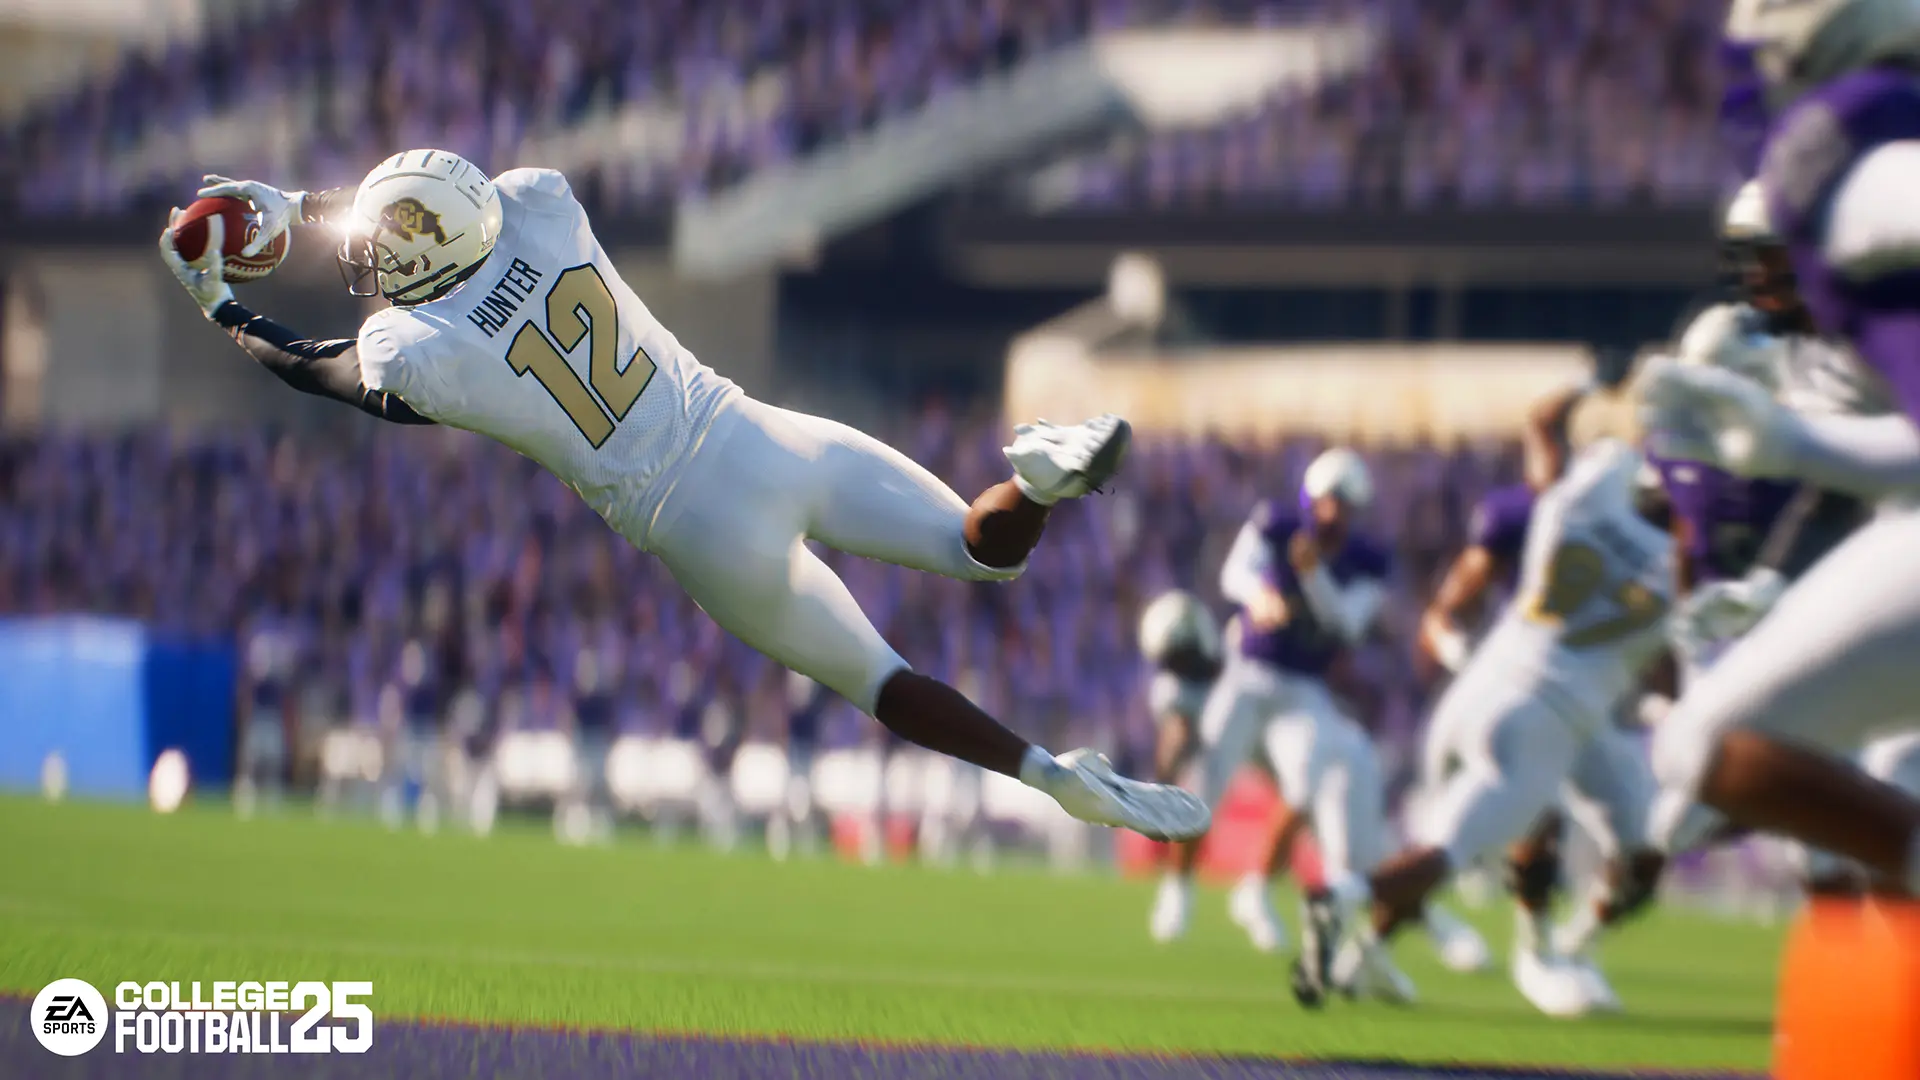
{"x":405,"y":254}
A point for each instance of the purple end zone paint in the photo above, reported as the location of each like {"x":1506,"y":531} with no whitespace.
{"x":413,"y":1051}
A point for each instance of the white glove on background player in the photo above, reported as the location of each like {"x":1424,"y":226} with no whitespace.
{"x":1724,"y":610}
{"x":203,"y":278}
{"x":277,"y":210}
{"x":1715,"y":417}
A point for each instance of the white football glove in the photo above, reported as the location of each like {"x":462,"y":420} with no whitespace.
{"x":1729,"y":336}
{"x":1724,"y":610}
{"x":1716,"y":417}
{"x":277,"y":210}
{"x":203,"y":278}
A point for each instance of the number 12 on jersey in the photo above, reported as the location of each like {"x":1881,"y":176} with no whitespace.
{"x":1575,"y":576}
{"x":581,"y":306}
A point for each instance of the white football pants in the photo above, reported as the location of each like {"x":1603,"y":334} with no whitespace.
{"x":1607,"y":789}
{"x":1323,"y":762}
{"x":1831,"y":666}
{"x":762,"y":482}
{"x":1514,"y":757}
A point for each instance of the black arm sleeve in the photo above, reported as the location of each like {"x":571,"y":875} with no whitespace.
{"x":325,"y":368}
{"x":1814,"y":523}
{"x":319,"y":207}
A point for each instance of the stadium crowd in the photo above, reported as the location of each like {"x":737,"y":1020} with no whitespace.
{"x":1469,"y":100}
{"x":432,"y":579}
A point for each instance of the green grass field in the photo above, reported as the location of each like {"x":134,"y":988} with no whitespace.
{"x":517,"y":929}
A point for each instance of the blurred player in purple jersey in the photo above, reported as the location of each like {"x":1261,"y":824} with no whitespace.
{"x":1308,"y":587}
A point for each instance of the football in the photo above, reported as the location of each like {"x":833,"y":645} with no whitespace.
{"x":190,"y":238}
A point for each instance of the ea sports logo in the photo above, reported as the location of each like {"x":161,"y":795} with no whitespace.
{"x":69,"y":1017}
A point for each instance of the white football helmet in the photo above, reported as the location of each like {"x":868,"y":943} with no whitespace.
{"x":1748,"y":220}
{"x":1340,"y":472}
{"x":422,"y":222}
{"x":1176,"y":620}
{"x":1799,"y":43}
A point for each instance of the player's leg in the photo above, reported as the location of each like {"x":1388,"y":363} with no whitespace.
{"x":1514,"y":753}
{"x":1173,"y":747}
{"x":1350,"y":823}
{"x":1229,"y":724}
{"x":1894,"y":760}
{"x":1250,"y":904}
{"x":871,"y":500}
{"x":732,"y":537}
{"x":1533,"y":876}
{"x":1609,"y":793}
{"x":1760,"y":737}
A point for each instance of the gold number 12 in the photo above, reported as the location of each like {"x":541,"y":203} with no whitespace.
{"x":581,"y":306}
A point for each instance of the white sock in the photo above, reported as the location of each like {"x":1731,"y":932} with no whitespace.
{"x":1039,"y":770}
{"x":1032,"y":495}
{"x":1530,"y":931}
{"x":1581,"y":929}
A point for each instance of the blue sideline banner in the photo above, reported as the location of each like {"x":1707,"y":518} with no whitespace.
{"x":109,"y":695}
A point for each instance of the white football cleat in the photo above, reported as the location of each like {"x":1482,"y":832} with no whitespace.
{"x":1460,"y":946}
{"x":1170,"y":907}
{"x":1553,"y":986}
{"x":1250,"y":906}
{"x":1091,"y":791}
{"x":1365,"y":969}
{"x":1051,"y":462}
{"x":1600,"y":995}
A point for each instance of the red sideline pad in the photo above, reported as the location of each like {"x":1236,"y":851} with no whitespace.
{"x":1236,"y":845}
{"x":1238,"y":842}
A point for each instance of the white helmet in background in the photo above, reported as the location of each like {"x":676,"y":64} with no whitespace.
{"x":422,"y":222}
{"x":1341,"y":473}
{"x":1176,"y":620}
{"x":1800,"y":43}
{"x":1748,"y":220}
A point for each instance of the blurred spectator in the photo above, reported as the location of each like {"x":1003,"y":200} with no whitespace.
{"x":1468,"y":101}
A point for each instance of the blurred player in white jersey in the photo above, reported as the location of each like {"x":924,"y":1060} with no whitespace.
{"x":1594,"y":585}
{"x":1743,"y":541}
{"x":1308,"y":587}
{"x":508,"y":319}
{"x":1609,"y":787}
{"x":1764,"y":737}
{"x":1181,"y":639}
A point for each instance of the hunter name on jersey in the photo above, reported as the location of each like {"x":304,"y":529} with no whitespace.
{"x":496,"y":309}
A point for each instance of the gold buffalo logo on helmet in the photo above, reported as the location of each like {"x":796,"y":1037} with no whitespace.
{"x":409,"y":218}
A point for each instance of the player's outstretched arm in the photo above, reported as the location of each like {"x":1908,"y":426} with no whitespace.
{"x":1544,"y":442}
{"x":1458,"y":598}
{"x":325,"y":368}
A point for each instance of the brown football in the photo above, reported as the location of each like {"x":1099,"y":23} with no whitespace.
{"x":190,"y":238}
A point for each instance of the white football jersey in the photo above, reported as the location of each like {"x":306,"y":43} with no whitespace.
{"x":547,"y":350}
{"x":1819,"y":376}
{"x":1596,"y":580}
